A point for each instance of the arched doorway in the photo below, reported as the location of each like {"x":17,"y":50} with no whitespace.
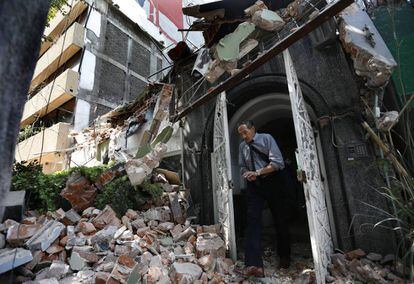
{"x":272,"y":114}
{"x":271,"y":111}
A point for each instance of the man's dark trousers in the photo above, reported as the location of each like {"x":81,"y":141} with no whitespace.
{"x":270,"y":189}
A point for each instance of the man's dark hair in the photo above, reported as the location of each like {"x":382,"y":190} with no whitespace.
{"x":248,"y":123}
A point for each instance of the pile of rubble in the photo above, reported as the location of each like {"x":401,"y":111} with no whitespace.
{"x":154,"y":246}
{"x":358,"y":267}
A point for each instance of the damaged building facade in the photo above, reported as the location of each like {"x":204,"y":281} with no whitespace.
{"x":304,"y":73}
{"x":342,"y":66}
{"x":93,"y":59}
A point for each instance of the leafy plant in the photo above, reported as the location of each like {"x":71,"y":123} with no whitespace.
{"x":154,"y":189}
{"x":91,"y":173}
{"x":27,"y":132}
{"x":56,"y":6}
{"x":43,"y":190}
{"x":27,"y":177}
{"x":121,"y":195}
{"x":50,"y":188}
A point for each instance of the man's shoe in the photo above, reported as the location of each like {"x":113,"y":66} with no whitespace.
{"x":251,"y":271}
{"x":284,"y":262}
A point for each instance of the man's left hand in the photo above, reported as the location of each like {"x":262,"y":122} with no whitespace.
{"x":250,"y":176}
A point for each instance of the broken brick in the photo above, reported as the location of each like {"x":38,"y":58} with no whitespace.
{"x":105,"y":218}
{"x":101,"y":277}
{"x":17,"y":234}
{"x":79,"y":192}
{"x":131,"y":214}
{"x":71,"y":217}
{"x":55,"y":248}
{"x":87,"y":228}
{"x":355,"y":254}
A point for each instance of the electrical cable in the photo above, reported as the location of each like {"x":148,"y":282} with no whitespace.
{"x":53,"y":84}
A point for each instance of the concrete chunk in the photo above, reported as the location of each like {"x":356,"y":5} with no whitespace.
{"x":228,"y":48}
{"x":157,"y":214}
{"x":131,"y":214}
{"x":139,"y":223}
{"x":186,"y":270}
{"x":360,"y":38}
{"x":259,"y":5}
{"x":10,"y":259}
{"x":209,"y":243}
{"x":207,"y":262}
{"x":374,"y":256}
{"x":104,"y":236}
{"x":120,"y":232}
{"x":57,"y":269}
{"x":52,"y":280}
{"x":45,"y":236}
{"x":166,"y":226}
{"x":76,"y":262}
{"x":268,"y":20}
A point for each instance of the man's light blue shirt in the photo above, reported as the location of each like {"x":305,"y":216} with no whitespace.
{"x":265,"y":144}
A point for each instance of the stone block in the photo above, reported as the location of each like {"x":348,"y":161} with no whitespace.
{"x":45,"y":236}
{"x":105,"y":218}
{"x":76,"y":262}
{"x":11,"y":258}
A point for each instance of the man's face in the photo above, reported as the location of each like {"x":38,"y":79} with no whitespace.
{"x":246,"y":133}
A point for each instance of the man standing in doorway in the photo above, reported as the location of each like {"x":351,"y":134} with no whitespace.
{"x":262,"y":166}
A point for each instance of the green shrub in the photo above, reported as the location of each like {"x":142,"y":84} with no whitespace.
{"x":28,"y":177}
{"x":91,"y":173}
{"x":27,"y":132}
{"x":43,"y":190}
{"x":121,"y":195}
{"x":154,"y":189}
